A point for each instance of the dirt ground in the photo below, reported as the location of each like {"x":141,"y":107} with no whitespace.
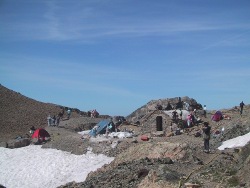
{"x":189,"y":163}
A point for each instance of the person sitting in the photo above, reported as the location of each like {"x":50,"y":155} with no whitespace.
{"x":32,"y":130}
{"x":169,"y":107}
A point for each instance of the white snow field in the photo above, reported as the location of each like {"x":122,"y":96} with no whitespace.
{"x":239,"y":141}
{"x":34,"y":167}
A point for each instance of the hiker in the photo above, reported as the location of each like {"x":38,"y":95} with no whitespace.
{"x":54,"y":120}
{"x":89,"y":113}
{"x":108,"y":129}
{"x":173,"y":127}
{"x":205,"y":111}
{"x":189,"y":120}
{"x":49,"y":119}
{"x":32,"y":130}
{"x":241,"y":107}
{"x":60,"y":114}
{"x":222,"y":131}
{"x":186,"y":106}
{"x":68,"y":113}
{"x":94,"y":113}
{"x":206,"y":136}
{"x":169,"y":107}
{"x":179,"y":104}
{"x":180,"y":114}
{"x":174,"y":115}
{"x":95,"y":130}
{"x":195,"y":112}
{"x":57,"y":120}
{"x":193,"y":119}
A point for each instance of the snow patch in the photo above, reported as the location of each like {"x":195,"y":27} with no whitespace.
{"x":34,"y":167}
{"x":239,"y":141}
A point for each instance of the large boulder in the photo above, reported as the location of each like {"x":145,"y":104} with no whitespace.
{"x":4,"y":144}
{"x":18,"y":143}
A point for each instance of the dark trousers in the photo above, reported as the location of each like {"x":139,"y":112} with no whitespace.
{"x":206,"y":144}
{"x":241,"y":110}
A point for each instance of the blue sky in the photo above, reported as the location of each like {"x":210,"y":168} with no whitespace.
{"x":117,"y":55}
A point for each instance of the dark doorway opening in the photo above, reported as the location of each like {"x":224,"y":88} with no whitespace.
{"x":159,"y":123}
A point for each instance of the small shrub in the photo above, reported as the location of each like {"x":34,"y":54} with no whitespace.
{"x":233,"y":181}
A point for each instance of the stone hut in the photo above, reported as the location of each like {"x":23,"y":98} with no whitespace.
{"x":155,"y":121}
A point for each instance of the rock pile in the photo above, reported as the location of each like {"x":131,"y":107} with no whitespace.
{"x":177,"y":102}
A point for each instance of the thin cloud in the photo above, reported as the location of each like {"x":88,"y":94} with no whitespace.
{"x":227,"y":41}
{"x":85,"y":23}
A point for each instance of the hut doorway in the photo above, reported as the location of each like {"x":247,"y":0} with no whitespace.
{"x":159,"y":123}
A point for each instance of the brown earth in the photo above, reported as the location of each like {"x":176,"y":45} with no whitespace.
{"x":19,"y":113}
{"x":160,"y":162}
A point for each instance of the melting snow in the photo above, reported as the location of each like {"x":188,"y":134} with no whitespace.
{"x":103,"y":138}
{"x":35,"y":167}
{"x":239,"y":141}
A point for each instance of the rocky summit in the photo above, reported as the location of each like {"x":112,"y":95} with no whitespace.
{"x":164,"y":159}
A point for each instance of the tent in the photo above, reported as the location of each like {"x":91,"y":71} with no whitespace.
{"x":217,"y":116}
{"x":40,"y":133}
{"x":100,"y":128}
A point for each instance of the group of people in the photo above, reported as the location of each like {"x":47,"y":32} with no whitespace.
{"x":93,"y":113}
{"x":207,"y":130}
{"x":190,"y":120}
{"x":53,"y":121}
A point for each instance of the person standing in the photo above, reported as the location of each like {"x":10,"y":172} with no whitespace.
{"x":174,"y":115}
{"x":192,"y":119}
{"x":180,"y":114}
{"x":54,"y":120}
{"x":186,"y":106}
{"x":189,"y":120}
{"x":241,"y":107}
{"x":206,"y":136}
{"x":57,"y":120}
{"x":205,"y":111}
{"x":49,"y":119}
{"x":69,"y":113}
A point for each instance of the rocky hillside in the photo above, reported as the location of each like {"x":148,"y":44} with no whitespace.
{"x":18,"y":113}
